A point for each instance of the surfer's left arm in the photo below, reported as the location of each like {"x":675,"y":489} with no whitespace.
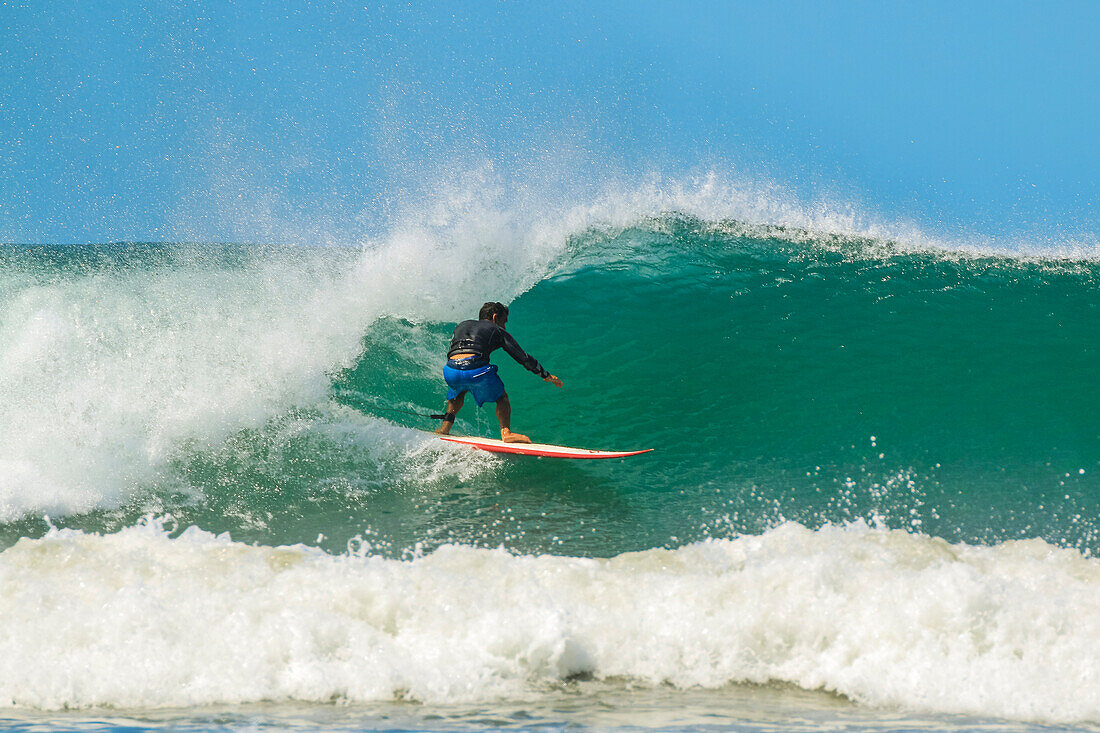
{"x":525,"y":360}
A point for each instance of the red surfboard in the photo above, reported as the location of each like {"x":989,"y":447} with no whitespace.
{"x":538,"y":449}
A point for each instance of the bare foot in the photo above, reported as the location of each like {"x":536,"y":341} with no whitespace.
{"x":509,"y":437}
{"x":443,"y":429}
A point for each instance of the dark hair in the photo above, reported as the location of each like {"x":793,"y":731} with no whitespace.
{"x":492,"y":309}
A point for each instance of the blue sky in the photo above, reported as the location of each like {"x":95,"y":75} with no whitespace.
{"x":188,"y":119}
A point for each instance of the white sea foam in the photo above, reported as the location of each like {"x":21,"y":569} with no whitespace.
{"x":104,"y":377}
{"x":885,"y":617}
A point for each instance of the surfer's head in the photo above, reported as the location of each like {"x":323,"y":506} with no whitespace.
{"x":497,"y":312}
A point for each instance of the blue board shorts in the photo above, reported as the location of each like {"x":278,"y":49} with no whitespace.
{"x":479,"y":379}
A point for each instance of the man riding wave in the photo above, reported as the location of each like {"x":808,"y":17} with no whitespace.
{"x":468,"y":368}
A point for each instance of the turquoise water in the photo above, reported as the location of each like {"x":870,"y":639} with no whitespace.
{"x":873,"y":496}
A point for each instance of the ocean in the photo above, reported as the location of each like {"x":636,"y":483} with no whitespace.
{"x":873,"y":503}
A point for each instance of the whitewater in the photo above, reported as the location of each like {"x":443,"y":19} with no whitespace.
{"x":876,"y":482}
{"x":883,"y":617}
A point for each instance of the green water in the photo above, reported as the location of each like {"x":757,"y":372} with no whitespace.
{"x":950,"y":395}
{"x":818,"y":381}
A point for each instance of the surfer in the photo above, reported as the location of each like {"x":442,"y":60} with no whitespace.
{"x":468,"y":368}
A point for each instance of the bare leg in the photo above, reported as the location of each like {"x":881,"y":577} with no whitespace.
{"x":453,"y":406}
{"x":504,"y":415}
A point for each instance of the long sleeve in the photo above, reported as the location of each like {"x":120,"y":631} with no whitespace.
{"x":525,"y":360}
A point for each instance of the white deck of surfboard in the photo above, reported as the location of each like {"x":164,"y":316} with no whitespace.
{"x":538,"y":449}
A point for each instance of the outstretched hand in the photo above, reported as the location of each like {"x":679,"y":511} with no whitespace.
{"x":553,"y":380}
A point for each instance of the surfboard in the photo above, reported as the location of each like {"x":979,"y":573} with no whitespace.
{"x":538,"y":449}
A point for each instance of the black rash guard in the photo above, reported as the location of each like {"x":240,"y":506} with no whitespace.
{"x":481,"y":338}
